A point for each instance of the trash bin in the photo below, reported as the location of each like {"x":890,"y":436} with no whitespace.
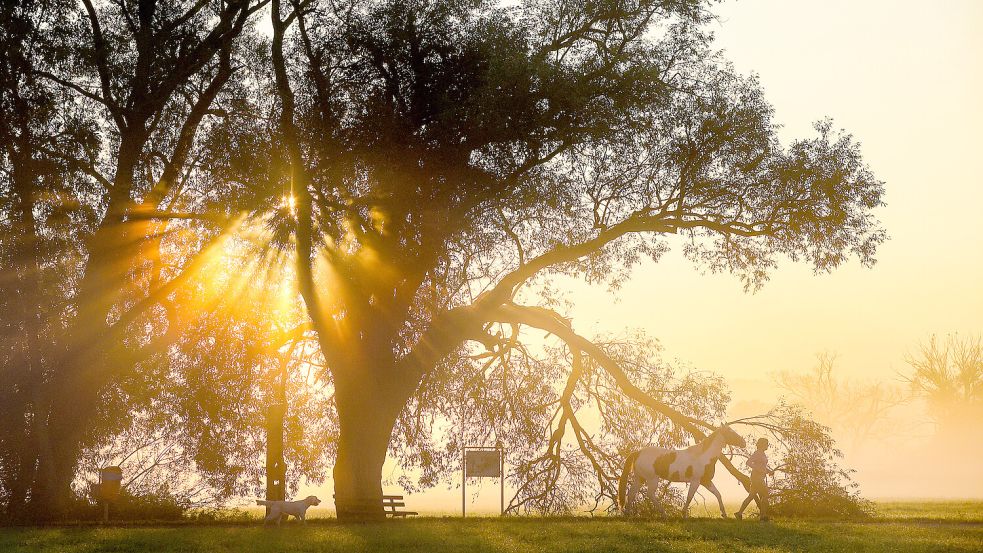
{"x":110,"y":480}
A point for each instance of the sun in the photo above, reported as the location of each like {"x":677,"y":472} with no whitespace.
{"x":289,"y":203}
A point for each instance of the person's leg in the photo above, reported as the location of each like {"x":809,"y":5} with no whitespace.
{"x":763,"y":503}
{"x":740,"y":512}
{"x":759,"y":488}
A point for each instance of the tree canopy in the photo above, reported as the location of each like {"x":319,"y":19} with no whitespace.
{"x":419,"y":170}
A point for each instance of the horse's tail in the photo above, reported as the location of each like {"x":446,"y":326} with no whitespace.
{"x":623,"y":481}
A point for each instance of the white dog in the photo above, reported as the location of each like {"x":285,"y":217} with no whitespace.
{"x":280,"y":510}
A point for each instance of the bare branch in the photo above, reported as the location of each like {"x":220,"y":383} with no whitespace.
{"x":102,"y":64}
{"x":545,"y":319}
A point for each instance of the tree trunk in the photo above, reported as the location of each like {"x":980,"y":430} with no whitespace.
{"x":84,"y":364}
{"x":276,"y":467}
{"x":68,"y":409}
{"x":367,"y":411}
{"x":52,"y":496}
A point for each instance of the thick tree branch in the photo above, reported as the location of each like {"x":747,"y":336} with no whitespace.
{"x":191,"y":269}
{"x":328,"y":336}
{"x":102,"y":66}
{"x":660,"y":222}
{"x":189,"y":129}
{"x":545,"y":319}
{"x":86,"y":167}
{"x":77,"y":88}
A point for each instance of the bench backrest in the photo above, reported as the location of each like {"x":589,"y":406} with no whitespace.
{"x":392,"y":501}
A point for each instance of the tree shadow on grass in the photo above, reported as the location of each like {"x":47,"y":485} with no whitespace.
{"x":610,"y":535}
{"x":838,"y":536}
{"x":587,"y":535}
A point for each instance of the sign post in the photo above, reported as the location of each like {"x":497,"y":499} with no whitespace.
{"x":110,"y":482}
{"x":479,"y":462}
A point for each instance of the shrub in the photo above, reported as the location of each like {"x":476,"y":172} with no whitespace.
{"x":158,"y":505}
{"x":809,"y":481}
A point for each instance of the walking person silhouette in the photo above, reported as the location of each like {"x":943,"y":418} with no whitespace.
{"x":758,"y":492}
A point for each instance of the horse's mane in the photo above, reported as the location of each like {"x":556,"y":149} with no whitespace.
{"x":704,"y":444}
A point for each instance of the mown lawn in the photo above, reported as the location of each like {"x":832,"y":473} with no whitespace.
{"x":930,"y":527}
{"x":931,"y":510}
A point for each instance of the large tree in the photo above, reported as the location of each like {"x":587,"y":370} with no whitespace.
{"x":445,"y":157}
{"x":102,"y":107}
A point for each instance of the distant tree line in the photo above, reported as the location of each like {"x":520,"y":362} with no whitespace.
{"x":945,"y":374}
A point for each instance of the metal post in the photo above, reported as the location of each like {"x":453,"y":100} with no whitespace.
{"x":464,"y":481}
{"x":501,"y":480}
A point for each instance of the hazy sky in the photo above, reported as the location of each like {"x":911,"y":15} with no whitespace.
{"x":906,"y":78}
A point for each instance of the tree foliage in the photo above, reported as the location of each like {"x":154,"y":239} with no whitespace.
{"x":433,"y":204}
{"x":423,"y":168}
{"x":103,"y":105}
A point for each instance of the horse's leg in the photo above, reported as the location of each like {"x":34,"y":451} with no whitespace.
{"x":720,"y":500}
{"x":633,"y":484}
{"x":653,"y":493}
{"x":689,"y":496}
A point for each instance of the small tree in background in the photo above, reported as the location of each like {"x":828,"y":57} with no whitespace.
{"x":854,"y":410}
{"x":949,"y":376}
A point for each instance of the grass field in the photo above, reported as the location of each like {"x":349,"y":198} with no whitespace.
{"x":902,"y":526}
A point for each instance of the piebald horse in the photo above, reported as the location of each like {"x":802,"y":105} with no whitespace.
{"x":695,"y":465}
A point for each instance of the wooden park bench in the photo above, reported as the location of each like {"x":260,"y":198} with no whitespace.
{"x":390,"y":502}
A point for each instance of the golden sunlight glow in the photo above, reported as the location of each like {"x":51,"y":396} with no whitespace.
{"x":917,"y":134}
{"x":289,"y":203}
{"x":244,"y":276}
